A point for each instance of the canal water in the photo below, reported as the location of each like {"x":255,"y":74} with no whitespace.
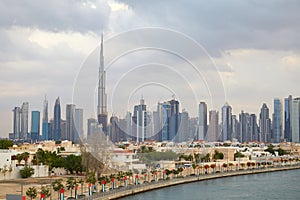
{"x":275,"y":185}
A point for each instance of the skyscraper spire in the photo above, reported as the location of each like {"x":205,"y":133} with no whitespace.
{"x":102,"y":108}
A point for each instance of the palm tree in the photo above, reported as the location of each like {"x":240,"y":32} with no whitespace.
{"x":4,"y":170}
{"x":19,"y":158}
{"x":31,"y":192}
{"x":57,"y":186}
{"x":194,"y":165}
{"x":45,"y":191}
{"x":25,"y":157}
{"x":71,"y":183}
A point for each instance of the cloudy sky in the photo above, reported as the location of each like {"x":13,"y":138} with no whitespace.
{"x":243,"y":52}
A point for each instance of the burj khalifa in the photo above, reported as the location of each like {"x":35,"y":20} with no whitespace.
{"x":102,"y":97}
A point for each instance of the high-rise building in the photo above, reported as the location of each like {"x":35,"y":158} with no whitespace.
{"x":91,"y":125}
{"x":287,"y":118}
{"x":264,"y":124}
{"x":277,"y":121}
{"x":128,"y":129}
{"x":24,"y":120}
{"x":35,"y":125}
{"x":183,"y":131}
{"x":56,"y":132}
{"x":102,"y":98}
{"x":78,"y":124}
{"x":45,"y":130}
{"x":202,"y":121}
{"x":253,"y":128}
{"x":139,"y":120}
{"x":70,"y":113}
{"x":17,"y":122}
{"x":213,"y":128}
{"x":295,"y":120}
{"x":63,"y":129}
{"x":165,"y":113}
{"x":244,"y":119}
{"x":235,"y":127}
{"x":173,"y":119}
{"x":226,"y":122}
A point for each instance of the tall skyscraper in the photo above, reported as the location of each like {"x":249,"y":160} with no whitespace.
{"x":17,"y":122}
{"x":56,"y":132}
{"x":78,"y":124}
{"x":24,"y":120}
{"x":235,"y":127}
{"x":295,"y":120}
{"x":213,"y":128}
{"x":244,"y":119}
{"x":35,"y":126}
{"x":277,"y":121}
{"x":45,"y":130}
{"x":226,"y":122}
{"x":183,"y":131}
{"x":139,"y":120}
{"x":253,"y":128}
{"x":202,"y":121}
{"x":91,"y":124}
{"x":70,"y":113}
{"x":173,"y":119}
{"x":264,"y":124}
{"x":102,"y":98}
{"x":287,"y":118}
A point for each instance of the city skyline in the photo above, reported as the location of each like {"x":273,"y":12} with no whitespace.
{"x":254,"y":45}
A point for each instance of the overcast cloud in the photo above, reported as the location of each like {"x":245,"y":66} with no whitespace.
{"x":254,"y":44}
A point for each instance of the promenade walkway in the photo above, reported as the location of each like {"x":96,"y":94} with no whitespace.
{"x":148,"y":186}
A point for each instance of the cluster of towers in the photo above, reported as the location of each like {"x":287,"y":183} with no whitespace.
{"x":54,"y":129}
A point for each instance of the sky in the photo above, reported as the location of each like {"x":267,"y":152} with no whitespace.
{"x":245,"y":53}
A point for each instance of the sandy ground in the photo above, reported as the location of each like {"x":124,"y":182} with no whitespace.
{"x":14,"y":186}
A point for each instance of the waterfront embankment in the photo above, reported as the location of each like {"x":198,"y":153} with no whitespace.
{"x":131,"y":190}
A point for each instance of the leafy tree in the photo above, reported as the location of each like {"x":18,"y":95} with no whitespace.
{"x":91,"y":178}
{"x":270,"y":149}
{"x":45,"y":191}
{"x":26,"y":172}
{"x":238,"y":155}
{"x":57,"y":186}
{"x":194,"y":165}
{"x":31,"y":192}
{"x":218,"y":155}
{"x":71,"y":183}
{"x":281,"y":152}
{"x":73,"y":163}
{"x":19,"y":158}
{"x":25,"y":157}
{"x":206,"y":158}
{"x":5,"y":144}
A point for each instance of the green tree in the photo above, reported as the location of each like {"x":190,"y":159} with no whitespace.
{"x":238,"y":155}
{"x":31,"y":192}
{"x":71,"y":183}
{"x":73,"y":164}
{"x":91,"y":178}
{"x":270,"y":149}
{"x":218,"y":155}
{"x":19,"y":158}
{"x":206,"y":158}
{"x":45,"y":191}
{"x":5,"y":144}
{"x":281,"y":152}
{"x":26,"y":172}
{"x":57,"y":186}
{"x":25,"y":157}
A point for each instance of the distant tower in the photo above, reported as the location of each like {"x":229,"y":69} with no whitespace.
{"x":24,"y":120}
{"x":277,"y":121}
{"x":102,"y":108}
{"x":35,"y":126}
{"x":295,"y":116}
{"x":45,"y":130}
{"x":57,"y":120}
{"x":17,"y":122}
{"x":202,"y":121}
{"x":264,"y":124}
{"x":226,"y":122}
{"x":70,"y":114}
{"x":287,"y":118}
